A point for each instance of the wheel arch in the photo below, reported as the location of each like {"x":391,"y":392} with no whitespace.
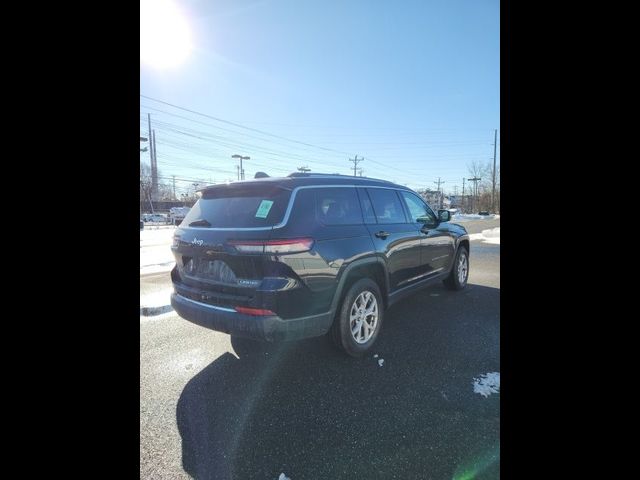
{"x":371,"y":267}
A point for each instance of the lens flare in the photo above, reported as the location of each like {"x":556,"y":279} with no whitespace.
{"x":165,"y":35}
{"x":470,"y":469}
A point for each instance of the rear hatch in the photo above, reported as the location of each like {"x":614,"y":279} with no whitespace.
{"x":219,"y":247}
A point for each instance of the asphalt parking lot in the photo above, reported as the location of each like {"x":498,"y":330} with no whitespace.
{"x":211,"y":408}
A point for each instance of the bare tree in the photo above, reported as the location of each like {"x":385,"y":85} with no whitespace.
{"x":145,"y":187}
{"x":484,"y":170}
{"x":165,"y":191}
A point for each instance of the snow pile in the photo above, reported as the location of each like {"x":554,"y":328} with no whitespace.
{"x":155,"y":250}
{"x":156,"y":236}
{"x":491,"y":235}
{"x":158,"y":298}
{"x":283,"y":477}
{"x":465,"y":217}
{"x":487,"y":384}
{"x":381,"y":361}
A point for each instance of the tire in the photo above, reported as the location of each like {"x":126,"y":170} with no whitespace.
{"x":456,"y":279}
{"x":363,"y":295}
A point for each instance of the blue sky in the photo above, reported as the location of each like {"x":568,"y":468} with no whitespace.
{"x":411,"y":86}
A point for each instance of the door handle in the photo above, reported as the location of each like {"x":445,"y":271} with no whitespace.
{"x":382,"y":234}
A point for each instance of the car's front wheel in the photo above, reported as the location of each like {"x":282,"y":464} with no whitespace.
{"x":358,"y":323}
{"x":459,"y":275}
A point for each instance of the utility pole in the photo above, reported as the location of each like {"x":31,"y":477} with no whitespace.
{"x":304,"y":169}
{"x":154,"y":169}
{"x":174,"y":187}
{"x":439,"y":193}
{"x":493,"y":189}
{"x":150,"y":202}
{"x":475,"y":181}
{"x":240,"y":169}
{"x":463,"y":180}
{"x":355,"y":163}
{"x":150,"y":145}
{"x":152,"y":156}
{"x":360,"y":170}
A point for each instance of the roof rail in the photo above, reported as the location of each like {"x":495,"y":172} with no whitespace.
{"x":315,"y":174}
{"x":333,"y":175}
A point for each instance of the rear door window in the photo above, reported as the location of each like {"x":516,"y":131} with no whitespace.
{"x":386,"y":205}
{"x":337,"y":206}
{"x":242,"y":206}
{"x":367,"y":208}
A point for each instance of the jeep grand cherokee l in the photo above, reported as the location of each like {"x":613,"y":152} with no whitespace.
{"x":309,"y":254}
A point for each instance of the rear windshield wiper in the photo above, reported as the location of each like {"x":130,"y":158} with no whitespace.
{"x":200,"y":223}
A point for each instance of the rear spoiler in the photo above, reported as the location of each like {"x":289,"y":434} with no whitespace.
{"x":245,"y":185}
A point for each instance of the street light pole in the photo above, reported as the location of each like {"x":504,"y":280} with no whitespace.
{"x":475,"y":181}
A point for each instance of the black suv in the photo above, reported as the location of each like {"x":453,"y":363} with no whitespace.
{"x":300,"y":256}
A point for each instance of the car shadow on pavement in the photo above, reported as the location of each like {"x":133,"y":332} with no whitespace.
{"x":309,"y":411}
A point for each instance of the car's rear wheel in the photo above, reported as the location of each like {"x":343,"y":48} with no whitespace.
{"x":359,"y":319}
{"x":459,"y":275}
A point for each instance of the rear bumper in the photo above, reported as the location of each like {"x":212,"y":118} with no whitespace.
{"x":271,"y":328}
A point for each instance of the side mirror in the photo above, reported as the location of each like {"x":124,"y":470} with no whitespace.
{"x":444,"y":215}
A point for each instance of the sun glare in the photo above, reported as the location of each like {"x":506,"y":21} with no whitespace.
{"x":165,"y":36}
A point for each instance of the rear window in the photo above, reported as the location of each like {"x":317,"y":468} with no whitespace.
{"x":247,"y":206}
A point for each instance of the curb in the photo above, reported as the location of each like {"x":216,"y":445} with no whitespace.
{"x":149,"y":274}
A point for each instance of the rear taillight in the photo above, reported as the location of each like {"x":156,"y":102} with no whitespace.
{"x":258,"y":312}
{"x":288,"y":245}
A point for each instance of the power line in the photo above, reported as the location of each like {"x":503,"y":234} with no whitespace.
{"x":279,"y":155}
{"x":221,"y":141}
{"x":252,"y":129}
{"x":205,"y":151}
{"x":239,"y":125}
{"x":186,"y":131}
{"x":381,"y":131}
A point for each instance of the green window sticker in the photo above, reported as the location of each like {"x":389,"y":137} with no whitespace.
{"x":263,"y":208}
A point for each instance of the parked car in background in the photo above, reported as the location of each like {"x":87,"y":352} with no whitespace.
{"x":484,"y":212}
{"x":308,"y":254}
{"x":177,"y":214}
{"x":157,"y":218}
